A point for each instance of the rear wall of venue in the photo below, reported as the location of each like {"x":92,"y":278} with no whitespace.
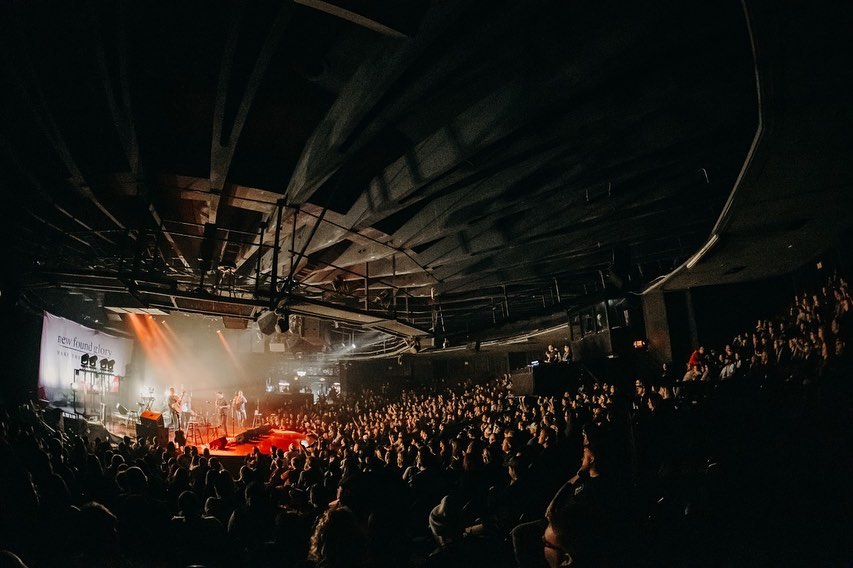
{"x":721,"y":309}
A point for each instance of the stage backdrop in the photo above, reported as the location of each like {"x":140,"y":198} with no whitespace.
{"x":63,"y":342}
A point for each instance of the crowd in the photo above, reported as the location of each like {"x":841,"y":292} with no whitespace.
{"x":609,"y":474}
{"x":805,"y":344}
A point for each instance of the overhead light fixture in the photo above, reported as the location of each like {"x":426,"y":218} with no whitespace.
{"x":111,"y":365}
{"x":84,"y":360}
{"x":104,"y":364}
{"x":93,"y":360}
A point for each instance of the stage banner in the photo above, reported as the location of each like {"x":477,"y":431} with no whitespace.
{"x":64,"y":342}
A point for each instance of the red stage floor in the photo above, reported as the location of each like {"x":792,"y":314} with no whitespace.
{"x":277,"y":438}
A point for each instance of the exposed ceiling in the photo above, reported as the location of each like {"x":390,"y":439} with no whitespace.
{"x":456,"y":166}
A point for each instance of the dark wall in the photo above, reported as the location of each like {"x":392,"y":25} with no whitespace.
{"x":20,"y":351}
{"x":723,"y":311}
{"x":678,"y":316}
{"x":657,"y":326}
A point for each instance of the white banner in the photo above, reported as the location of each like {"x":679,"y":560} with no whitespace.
{"x":64,"y":342}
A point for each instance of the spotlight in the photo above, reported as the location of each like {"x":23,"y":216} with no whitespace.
{"x":93,"y":360}
{"x":104,"y":364}
{"x":111,"y":365}
{"x":84,"y":360}
{"x":283,"y":324}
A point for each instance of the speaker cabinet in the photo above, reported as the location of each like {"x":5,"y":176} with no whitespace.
{"x":218,"y":443}
{"x":267,"y":322}
{"x":160,"y":434}
{"x":151,"y":418}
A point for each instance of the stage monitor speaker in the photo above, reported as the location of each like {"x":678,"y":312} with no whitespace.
{"x":160,"y":434}
{"x":52,"y":416}
{"x":248,"y":436}
{"x":74,"y":425}
{"x":97,"y":431}
{"x":218,"y":443}
{"x":151,"y":418}
{"x":267,"y":322}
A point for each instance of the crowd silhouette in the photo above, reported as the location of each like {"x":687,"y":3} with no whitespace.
{"x":689,"y":467}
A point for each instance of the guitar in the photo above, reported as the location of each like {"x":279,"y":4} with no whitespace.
{"x":176,"y":406}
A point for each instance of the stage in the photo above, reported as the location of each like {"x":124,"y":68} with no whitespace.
{"x":276,"y":437}
{"x":239,"y":445}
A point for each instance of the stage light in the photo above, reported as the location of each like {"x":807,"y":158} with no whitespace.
{"x":84,"y":360}
{"x":111,"y":365}
{"x":93,"y":360}
{"x":104,"y":364}
{"x":639,"y":344}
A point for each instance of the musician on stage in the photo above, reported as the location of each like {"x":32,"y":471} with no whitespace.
{"x":239,"y":406}
{"x":174,"y":402}
{"x":222,"y":407}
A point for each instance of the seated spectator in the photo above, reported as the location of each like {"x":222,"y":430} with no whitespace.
{"x":199,"y":538}
{"x":697,"y":357}
{"x":338,"y":541}
{"x":576,"y":534}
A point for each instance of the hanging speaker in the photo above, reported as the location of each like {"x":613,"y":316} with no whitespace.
{"x":267,"y":322}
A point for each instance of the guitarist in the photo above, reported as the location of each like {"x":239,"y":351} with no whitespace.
{"x":174,"y":402}
{"x":222,"y":407}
